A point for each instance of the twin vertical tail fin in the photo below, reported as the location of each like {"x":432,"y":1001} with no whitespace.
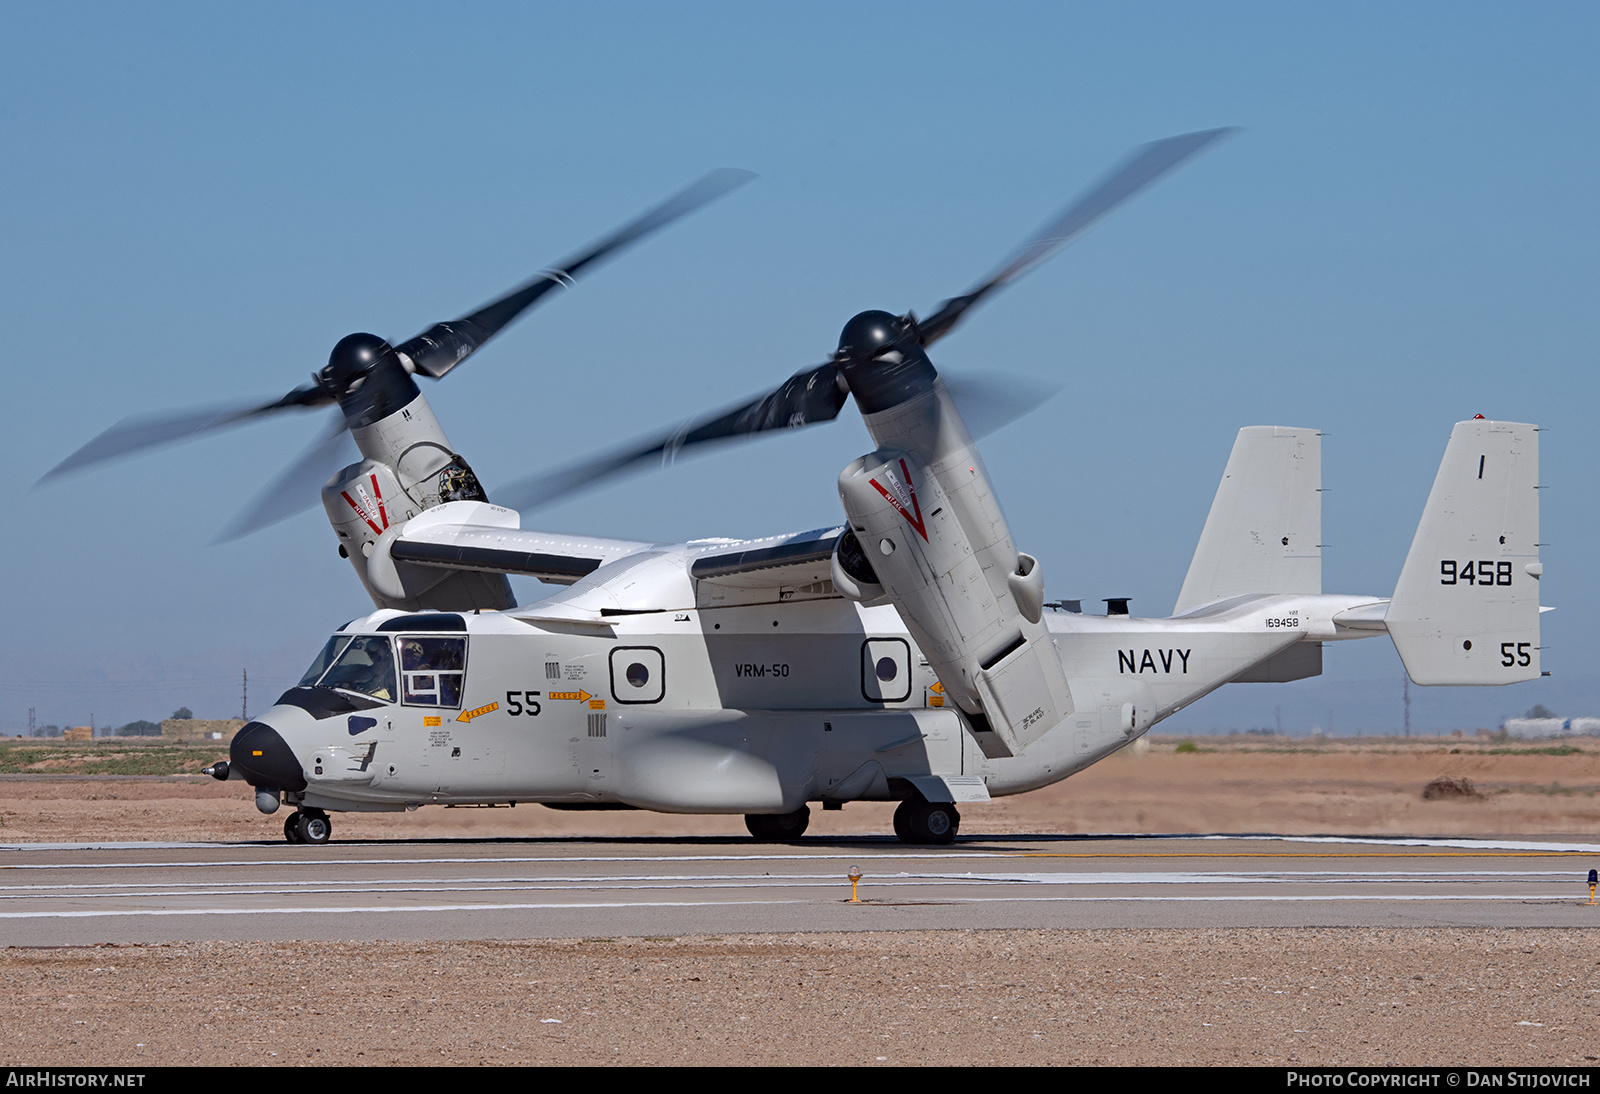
{"x":1466,"y":608}
{"x":1264,"y":531}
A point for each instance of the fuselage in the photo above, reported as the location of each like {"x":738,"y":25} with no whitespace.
{"x":627,"y":688}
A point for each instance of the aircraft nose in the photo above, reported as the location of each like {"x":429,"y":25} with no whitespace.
{"x":265,"y":759}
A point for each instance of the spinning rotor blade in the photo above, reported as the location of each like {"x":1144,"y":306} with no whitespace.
{"x":990,"y":401}
{"x":818,"y":394}
{"x":297,"y":487}
{"x":443,"y":346}
{"x":434,"y":352}
{"x":809,"y":396}
{"x":152,"y":430}
{"x":987,"y":402}
{"x":1146,"y":166}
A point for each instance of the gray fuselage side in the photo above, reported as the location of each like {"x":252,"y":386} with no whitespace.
{"x":754,"y":708}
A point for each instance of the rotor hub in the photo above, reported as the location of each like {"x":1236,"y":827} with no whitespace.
{"x":351,"y":360}
{"x":882,"y":360}
{"x":367,"y":377}
{"x":871,"y":334}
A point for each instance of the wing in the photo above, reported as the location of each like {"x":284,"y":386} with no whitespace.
{"x":800,"y":558}
{"x":483,"y":548}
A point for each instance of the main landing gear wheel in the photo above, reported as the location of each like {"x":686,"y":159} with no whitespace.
{"x":308,"y":826}
{"x":926,"y":822}
{"x":778,"y":827}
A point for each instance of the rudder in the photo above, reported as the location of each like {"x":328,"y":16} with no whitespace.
{"x":1264,"y":531}
{"x":1466,"y":607}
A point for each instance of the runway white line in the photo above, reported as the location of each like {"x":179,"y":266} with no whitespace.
{"x":490,"y":885}
{"x":336,"y":862}
{"x":891,"y":848}
{"x":1420,"y":841}
{"x":424,"y":887}
{"x":469,"y":884}
{"x":124,"y":913}
{"x":457,"y":908}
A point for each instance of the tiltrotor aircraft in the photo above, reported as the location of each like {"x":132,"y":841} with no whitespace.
{"x":906,"y":655}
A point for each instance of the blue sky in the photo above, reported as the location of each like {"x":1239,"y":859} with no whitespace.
{"x":200,"y":200}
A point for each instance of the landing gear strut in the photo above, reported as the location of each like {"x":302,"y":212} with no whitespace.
{"x":308,"y":826}
{"x":778,"y":827}
{"x":926,"y":822}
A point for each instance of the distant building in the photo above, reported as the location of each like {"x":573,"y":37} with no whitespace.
{"x":1541,"y":728}
{"x":197,"y":730}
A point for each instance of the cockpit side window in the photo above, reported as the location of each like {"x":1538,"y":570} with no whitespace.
{"x":365,"y":665}
{"x":324,"y":659}
{"x":433,"y":670}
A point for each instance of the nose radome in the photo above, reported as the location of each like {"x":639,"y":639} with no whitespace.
{"x":265,"y":759}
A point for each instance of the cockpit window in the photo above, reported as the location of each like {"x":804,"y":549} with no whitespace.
{"x":432,"y":670}
{"x":324,"y":659}
{"x":365,"y":665}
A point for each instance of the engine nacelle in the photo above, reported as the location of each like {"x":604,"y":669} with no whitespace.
{"x":409,"y":468}
{"x":927,"y":524}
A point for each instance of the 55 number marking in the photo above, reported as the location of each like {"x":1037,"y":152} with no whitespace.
{"x":1516,"y":653}
{"x":1482,"y":571}
{"x":514,"y":706}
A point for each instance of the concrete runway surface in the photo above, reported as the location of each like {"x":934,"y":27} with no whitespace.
{"x":75,"y":894}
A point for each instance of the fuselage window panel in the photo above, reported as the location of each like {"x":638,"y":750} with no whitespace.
{"x":886,"y":670}
{"x":433,"y":670}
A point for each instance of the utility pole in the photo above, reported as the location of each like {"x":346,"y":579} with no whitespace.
{"x":33,"y":722}
{"x":244,"y":697}
{"x":1408,"y":705}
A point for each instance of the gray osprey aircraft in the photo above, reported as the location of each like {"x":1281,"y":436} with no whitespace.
{"x":907,"y":654}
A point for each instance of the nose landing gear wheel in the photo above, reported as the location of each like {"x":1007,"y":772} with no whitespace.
{"x":308,"y":826}
{"x":926,"y":822}
{"x":778,"y":827}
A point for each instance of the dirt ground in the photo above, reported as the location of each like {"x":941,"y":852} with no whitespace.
{"x":1345,"y":997}
{"x":1236,"y":784}
{"x":1320,"y":996}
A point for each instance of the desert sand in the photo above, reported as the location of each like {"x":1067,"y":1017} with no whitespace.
{"x":1231,"y":784}
{"x":1322,"y":996}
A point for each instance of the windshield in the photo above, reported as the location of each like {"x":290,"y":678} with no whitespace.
{"x":366,"y":665}
{"x":324,"y":659}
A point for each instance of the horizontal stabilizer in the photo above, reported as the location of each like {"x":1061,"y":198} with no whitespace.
{"x":1264,"y":531}
{"x":1466,"y":608}
{"x":1297,"y":662}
